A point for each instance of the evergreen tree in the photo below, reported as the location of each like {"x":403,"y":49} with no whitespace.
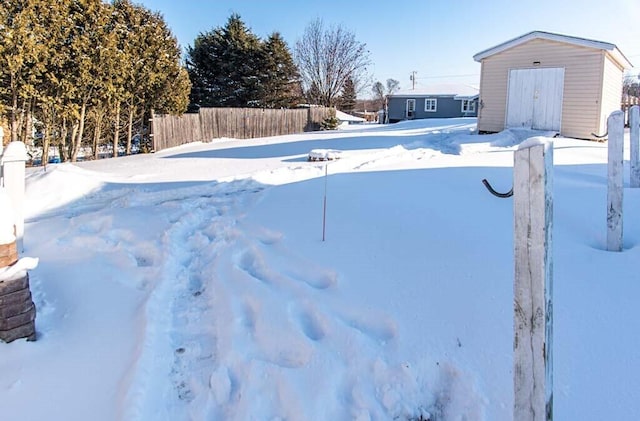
{"x":155,"y":80}
{"x":70,"y":59}
{"x":94,"y":64}
{"x":23,"y":55}
{"x":224,"y":68}
{"x":313,"y":95}
{"x":281,"y":83}
{"x":348,"y":97}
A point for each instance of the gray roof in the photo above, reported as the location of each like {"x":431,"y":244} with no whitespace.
{"x":457,"y":90}
{"x":582,"y":42}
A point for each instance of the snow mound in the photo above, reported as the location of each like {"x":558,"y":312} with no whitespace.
{"x":324,"y":154}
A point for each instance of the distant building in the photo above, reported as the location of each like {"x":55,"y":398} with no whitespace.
{"x":435,"y":101}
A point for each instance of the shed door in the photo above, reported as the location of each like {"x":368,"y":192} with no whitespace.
{"x":535,"y":98}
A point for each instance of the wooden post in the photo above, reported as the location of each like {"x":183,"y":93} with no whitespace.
{"x":152,"y":132}
{"x":533,"y":282}
{"x":13,"y":171}
{"x":615,"y":127}
{"x":634,"y":144}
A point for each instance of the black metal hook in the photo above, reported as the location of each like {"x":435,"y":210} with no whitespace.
{"x":495,"y":193}
{"x":600,"y":136}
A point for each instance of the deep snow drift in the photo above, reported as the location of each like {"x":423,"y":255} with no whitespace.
{"x":193,"y":284}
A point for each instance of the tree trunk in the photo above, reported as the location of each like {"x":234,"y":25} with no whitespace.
{"x":45,"y":143}
{"x":76,"y":142}
{"x":14,"y":111}
{"x":26,"y":125}
{"x":65,"y":151}
{"x":97,"y":132}
{"x":116,"y":131}
{"x":130,"y":128}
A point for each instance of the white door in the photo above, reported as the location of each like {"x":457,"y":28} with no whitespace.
{"x":534,"y":99}
{"x":411,"y":109}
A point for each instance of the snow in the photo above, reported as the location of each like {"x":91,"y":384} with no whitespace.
{"x":324,"y":154}
{"x":193,"y":283}
{"x":19,"y":269}
{"x":342,"y":116}
{"x":535,"y":141}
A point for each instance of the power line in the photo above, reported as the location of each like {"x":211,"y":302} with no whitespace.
{"x":437,"y":77}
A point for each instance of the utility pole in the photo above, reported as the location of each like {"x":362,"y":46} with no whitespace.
{"x":413,"y":80}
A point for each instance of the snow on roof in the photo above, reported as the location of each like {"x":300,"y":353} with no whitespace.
{"x":582,"y":42}
{"x":342,"y":116}
{"x":457,"y":90}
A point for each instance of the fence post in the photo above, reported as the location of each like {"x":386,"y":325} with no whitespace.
{"x":634,"y":144}
{"x":533,"y":281}
{"x":152,"y":132}
{"x":615,"y":169}
{"x":13,"y":171}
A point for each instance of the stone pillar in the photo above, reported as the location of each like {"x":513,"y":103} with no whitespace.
{"x":17,"y":311}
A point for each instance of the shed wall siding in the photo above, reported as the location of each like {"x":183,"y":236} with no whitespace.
{"x":582,"y":82}
{"x":611,"y":90}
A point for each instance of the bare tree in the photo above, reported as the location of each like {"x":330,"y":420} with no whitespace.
{"x":631,"y":85}
{"x":327,"y":58}
{"x":380,"y":93}
{"x":392,"y":86}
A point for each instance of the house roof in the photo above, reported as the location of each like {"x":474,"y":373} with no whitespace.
{"x":582,"y":42}
{"x":457,"y":90}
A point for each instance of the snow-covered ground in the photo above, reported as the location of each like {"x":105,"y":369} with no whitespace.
{"x":193,"y":284}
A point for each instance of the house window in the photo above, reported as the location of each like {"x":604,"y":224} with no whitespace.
{"x":431,"y":105}
{"x":411,"y":108}
{"x":468,"y":106}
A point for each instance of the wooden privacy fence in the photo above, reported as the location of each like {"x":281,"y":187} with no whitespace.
{"x":239,"y":123}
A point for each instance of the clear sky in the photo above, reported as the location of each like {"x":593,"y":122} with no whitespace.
{"x":435,"y":38}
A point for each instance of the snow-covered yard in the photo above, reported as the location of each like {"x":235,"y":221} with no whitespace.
{"x":192,"y":284}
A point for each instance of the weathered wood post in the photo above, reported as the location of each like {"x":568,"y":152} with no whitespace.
{"x":13,"y":171}
{"x":533,"y":282}
{"x":152,"y":132}
{"x":634,"y":145}
{"x":615,"y":169}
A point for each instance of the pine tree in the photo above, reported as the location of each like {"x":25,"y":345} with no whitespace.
{"x":348,"y":97}
{"x":313,"y":95}
{"x":224,"y":66}
{"x":281,"y":83}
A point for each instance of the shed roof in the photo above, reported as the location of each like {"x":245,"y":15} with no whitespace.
{"x":457,"y":90}
{"x":582,"y":42}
